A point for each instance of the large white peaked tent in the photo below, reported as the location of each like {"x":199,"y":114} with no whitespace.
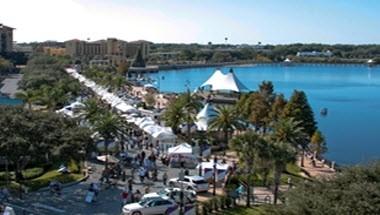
{"x":204,"y":116}
{"x":224,"y":82}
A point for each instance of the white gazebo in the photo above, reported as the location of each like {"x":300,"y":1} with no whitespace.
{"x":224,"y":82}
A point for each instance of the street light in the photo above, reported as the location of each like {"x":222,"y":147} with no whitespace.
{"x":215,"y":175}
{"x":181,"y":178}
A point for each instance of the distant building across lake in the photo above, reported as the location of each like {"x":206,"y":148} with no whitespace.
{"x":114,"y":50}
{"x":315,"y":54}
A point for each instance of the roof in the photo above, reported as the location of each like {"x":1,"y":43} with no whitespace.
{"x":140,"y":41}
{"x":227,"y":82}
{"x":183,"y":148}
{"x":4,"y":26}
{"x":203,"y":117}
{"x":210,"y":165}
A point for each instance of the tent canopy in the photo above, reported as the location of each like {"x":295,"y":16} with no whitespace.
{"x":210,"y":165}
{"x":183,"y":148}
{"x":224,"y":82}
{"x":204,"y":116}
{"x":110,"y":158}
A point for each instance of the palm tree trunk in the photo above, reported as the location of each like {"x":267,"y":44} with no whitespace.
{"x":225,"y":139}
{"x":248,"y":202}
{"x":277,"y":177}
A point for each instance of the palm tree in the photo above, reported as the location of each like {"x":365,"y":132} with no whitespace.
{"x":173,"y":116}
{"x":282,"y":154}
{"x":27,"y":96}
{"x":109,"y":126}
{"x":249,"y":147}
{"x":287,"y":130}
{"x":91,"y":110}
{"x":226,"y":120}
{"x":191,"y":108}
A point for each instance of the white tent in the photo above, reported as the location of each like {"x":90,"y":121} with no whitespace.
{"x":183,"y":148}
{"x":208,"y":170}
{"x":204,"y":116}
{"x":224,"y":82}
{"x":125,"y":108}
{"x":164,"y":134}
{"x":110,"y":158}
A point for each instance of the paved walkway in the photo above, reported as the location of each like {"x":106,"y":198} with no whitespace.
{"x":320,"y":170}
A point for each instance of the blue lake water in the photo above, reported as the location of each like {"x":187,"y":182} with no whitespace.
{"x":350,"y":92}
{"x":8,"y":101}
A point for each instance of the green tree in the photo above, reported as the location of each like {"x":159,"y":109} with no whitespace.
{"x":109,"y":126}
{"x":173,"y":115}
{"x":355,"y":190}
{"x":282,"y":154}
{"x":298,"y":108}
{"x":91,"y":110}
{"x":249,"y":147}
{"x":318,"y":144}
{"x":278,"y":106}
{"x":28,"y":97}
{"x":226,"y":120}
{"x":139,"y":60}
{"x":287,"y":130}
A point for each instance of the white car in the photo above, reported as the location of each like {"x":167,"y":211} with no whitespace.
{"x":173,"y":193}
{"x":196,"y":183}
{"x":150,"y":207}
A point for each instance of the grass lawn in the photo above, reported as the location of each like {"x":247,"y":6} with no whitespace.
{"x":35,"y":178}
{"x":45,"y":179}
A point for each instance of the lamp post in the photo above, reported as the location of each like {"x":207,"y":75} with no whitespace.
{"x":181,"y":178}
{"x":215,"y":175}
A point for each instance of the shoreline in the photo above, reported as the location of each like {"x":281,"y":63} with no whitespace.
{"x":248,"y":64}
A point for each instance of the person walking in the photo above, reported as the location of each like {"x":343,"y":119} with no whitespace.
{"x":124,"y":197}
{"x":164,"y":178}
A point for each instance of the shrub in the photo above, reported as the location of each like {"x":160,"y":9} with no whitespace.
{"x":206,"y":208}
{"x":214,"y":204}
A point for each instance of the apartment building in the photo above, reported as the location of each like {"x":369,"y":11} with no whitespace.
{"x":6,"y":38}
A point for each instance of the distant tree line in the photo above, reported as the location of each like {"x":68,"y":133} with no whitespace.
{"x":266,"y":53}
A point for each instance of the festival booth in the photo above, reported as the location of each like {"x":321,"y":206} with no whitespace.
{"x":182,"y":153}
{"x":208,"y":170}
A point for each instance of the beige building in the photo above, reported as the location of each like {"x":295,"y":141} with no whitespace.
{"x":54,"y":51}
{"x":116,"y":51}
{"x":6,"y":38}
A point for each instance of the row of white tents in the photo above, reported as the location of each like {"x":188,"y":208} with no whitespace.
{"x":146,"y":123}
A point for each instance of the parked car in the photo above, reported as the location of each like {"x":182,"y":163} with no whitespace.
{"x":196,"y":183}
{"x":175,"y":194}
{"x":150,"y":206}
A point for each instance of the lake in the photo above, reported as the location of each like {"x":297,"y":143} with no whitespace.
{"x":350,"y":92}
{"x":8,"y":101}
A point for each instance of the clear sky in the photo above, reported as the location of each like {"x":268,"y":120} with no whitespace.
{"x":187,"y":21}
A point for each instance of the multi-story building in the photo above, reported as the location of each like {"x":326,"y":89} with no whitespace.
{"x":114,"y":50}
{"x":6,"y":38}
